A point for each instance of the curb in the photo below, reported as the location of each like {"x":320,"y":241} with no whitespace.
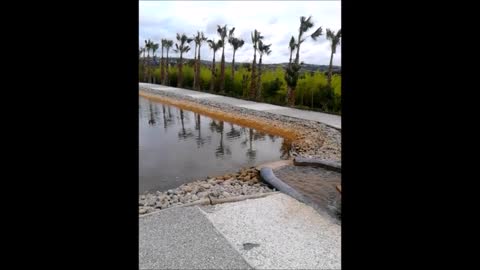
{"x":329,"y":165}
{"x":213,"y":201}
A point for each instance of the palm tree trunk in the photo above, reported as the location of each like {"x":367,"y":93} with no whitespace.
{"x":259,"y":78}
{"x":195,"y":68}
{"x":233,"y":64}
{"x":180,"y":75}
{"x":330,"y":71}
{"x":167,"y":82}
{"x":212,"y":81}
{"x":162,"y":68}
{"x":253,"y":81}
{"x":222,"y":71}
{"x":144,"y":68}
{"x":197,"y":87}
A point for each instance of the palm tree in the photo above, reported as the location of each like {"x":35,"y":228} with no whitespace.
{"x":154,"y":49}
{"x":214,"y":46}
{"x":168,"y":45}
{"x":162,"y":63}
{"x":147,"y":49}
{"x":199,"y":38}
{"x":202,"y":39}
{"x":181,"y":47}
{"x":236,"y":44}
{"x":256,"y":37}
{"x":335,"y":40}
{"x":262,"y":49}
{"x":292,"y":45}
{"x":305,"y":25}
{"x":222,"y":32}
{"x":140,"y":51}
{"x":291,"y":76}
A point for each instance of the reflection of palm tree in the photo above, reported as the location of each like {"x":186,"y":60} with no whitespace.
{"x":233,"y":133}
{"x":251,"y":154}
{"x":164,"y":118}
{"x":220,"y":151}
{"x":151,"y":121}
{"x":200,"y":141}
{"x":183,"y":133}
{"x":285,"y":149}
{"x":259,"y":136}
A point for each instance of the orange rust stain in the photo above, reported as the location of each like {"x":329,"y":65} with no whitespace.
{"x":259,"y":124}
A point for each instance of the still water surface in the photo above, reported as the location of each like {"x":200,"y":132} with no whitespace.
{"x":178,"y":146}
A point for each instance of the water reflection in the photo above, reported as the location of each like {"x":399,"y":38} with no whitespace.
{"x":184,"y":134}
{"x":189,"y":145}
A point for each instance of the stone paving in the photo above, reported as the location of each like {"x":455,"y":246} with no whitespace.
{"x":316,"y":183}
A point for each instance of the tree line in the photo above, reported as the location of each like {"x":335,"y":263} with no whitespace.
{"x":253,"y":79}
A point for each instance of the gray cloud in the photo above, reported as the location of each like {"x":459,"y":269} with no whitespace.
{"x":276,"y":22}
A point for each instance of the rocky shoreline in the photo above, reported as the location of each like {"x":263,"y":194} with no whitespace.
{"x":244,"y":182}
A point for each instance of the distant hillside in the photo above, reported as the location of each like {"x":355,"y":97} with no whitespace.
{"x":305,"y":67}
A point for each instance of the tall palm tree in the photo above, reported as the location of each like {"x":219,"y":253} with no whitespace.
{"x":141,"y":60}
{"x":154,"y":49}
{"x":222,"y":32}
{"x":202,"y":39}
{"x":168,"y":45}
{"x":147,"y":49}
{"x":293,"y":69}
{"x":256,"y":37}
{"x":236,"y":43}
{"x":195,"y":62}
{"x":262,"y":49}
{"x":181,"y":47}
{"x":335,"y":40}
{"x":162,"y":62}
{"x":292,"y":45}
{"x":199,"y":39}
{"x":214,"y":46}
{"x":305,"y":25}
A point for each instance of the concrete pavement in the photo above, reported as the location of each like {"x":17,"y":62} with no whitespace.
{"x":275,"y":232}
{"x":183,"y":238}
{"x":328,"y":119}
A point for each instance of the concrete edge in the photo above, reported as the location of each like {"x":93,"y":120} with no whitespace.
{"x":329,"y":165}
{"x":213,"y":201}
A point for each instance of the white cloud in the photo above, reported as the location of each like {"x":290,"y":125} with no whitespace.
{"x":277,"y":21}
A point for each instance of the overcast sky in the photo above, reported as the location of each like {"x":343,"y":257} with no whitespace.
{"x":276,"y":20}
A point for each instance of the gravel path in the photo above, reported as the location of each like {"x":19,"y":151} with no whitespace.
{"x":278,"y":232}
{"x":329,"y":119}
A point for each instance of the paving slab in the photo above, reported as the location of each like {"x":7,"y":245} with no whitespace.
{"x":183,"y":238}
{"x":279,"y":232}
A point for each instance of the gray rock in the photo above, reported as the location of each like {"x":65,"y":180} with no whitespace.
{"x":226,"y":194}
{"x":187,"y":188}
{"x":142,"y":211}
{"x":205,"y":185}
{"x":202,"y":194}
{"x":194,"y":197}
